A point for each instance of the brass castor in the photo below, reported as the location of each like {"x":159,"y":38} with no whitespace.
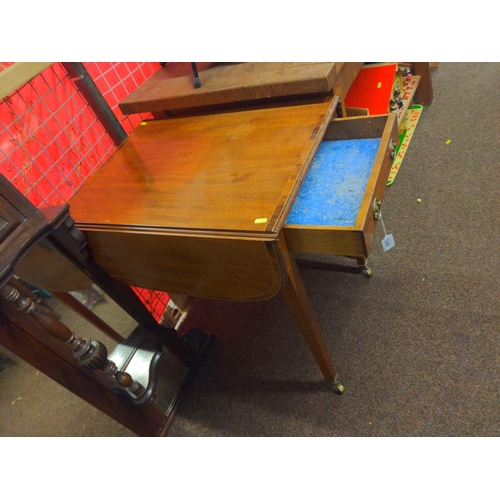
{"x":366,"y":271}
{"x":338,"y":387}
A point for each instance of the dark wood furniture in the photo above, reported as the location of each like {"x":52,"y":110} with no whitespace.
{"x":122,"y":385}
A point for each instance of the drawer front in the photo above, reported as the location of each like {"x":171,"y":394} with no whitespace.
{"x":375,"y":192}
{"x":334,"y":214}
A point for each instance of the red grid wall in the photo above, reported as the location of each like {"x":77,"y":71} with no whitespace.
{"x":116,"y":81}
{"x":51,"y":141}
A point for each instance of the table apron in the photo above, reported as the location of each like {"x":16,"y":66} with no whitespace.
{"x":219,"y":268}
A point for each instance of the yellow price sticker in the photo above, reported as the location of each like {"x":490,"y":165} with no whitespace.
{"x":260,"y":221}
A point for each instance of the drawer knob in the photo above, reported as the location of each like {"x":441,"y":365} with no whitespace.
{"x":392,"y":149}
{"x":377,"y":209}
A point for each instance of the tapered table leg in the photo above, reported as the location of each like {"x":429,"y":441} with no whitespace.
{"x":298,"y":302}
{"x":295,"y":296}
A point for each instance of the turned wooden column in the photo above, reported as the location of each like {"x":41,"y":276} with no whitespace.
{"x":90,"y":354}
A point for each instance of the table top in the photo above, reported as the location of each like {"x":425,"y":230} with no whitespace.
{"x":231,"y":172}
{"x":171,"y":87}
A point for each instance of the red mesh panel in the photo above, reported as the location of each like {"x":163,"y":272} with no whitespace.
{"x":51,"y":141}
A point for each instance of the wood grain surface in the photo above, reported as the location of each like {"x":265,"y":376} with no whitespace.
{"x":226,"y":172}
{"x":208,"y":267}
{"x":171,"y":87}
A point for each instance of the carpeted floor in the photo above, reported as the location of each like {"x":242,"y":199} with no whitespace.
{"x":417,"y":346}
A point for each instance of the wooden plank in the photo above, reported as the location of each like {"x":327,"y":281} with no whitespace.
{"x":347,"y":73}
{"x":171,"y":87}
{"x":18,"y":74}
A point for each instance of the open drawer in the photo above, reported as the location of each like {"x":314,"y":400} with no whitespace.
{"x":341,"y":196}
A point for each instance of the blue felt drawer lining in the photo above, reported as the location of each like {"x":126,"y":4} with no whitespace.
{"x":333,"y":189}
